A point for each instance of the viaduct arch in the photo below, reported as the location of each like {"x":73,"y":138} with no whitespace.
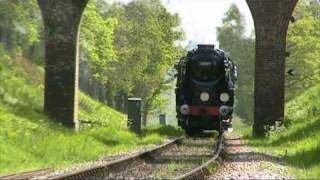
{"x":62,"y":20}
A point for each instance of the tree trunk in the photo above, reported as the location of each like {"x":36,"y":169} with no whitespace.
{"x":109,"y":96}
{"x":61,"y":26}
{"x":122,"y":101}
{"x":102,"y":93}
{"x":118,"y":101}
{"x":145,"y":114}
{"x":271,"y":18}
{"x":5,"y":36}
{"x":125,"y":103}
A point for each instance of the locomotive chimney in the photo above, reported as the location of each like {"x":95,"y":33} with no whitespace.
{"x":206,"y":46}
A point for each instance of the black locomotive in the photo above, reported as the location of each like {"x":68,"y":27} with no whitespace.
{"x":205,"y":90}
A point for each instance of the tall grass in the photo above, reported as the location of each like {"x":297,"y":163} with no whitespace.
{"x":299,"y":142}
{"x":29,"y":140}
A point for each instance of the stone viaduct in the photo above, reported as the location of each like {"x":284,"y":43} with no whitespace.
{"x":61,"y":22}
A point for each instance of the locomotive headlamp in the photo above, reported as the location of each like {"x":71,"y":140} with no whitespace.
{"x":184,"y":109}
{"x":224,"y":97}
{"x":204,"y":96}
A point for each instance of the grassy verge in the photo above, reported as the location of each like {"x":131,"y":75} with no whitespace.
{"x":299,"y":143}
{"x":29,"y":140}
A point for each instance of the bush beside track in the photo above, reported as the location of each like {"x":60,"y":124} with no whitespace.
{"x":298,"y":140}
{"x":29,"y":140}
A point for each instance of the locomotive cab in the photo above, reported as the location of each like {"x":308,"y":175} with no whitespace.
{"x":204,"y":91}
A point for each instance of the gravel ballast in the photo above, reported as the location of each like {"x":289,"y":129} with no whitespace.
{"x":170,"y":163}
{"x":243,"y":162}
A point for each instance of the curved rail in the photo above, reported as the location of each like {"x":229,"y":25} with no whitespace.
{"x":100,"y":171}
{"x":193,"y":173}
{"x":27,"y":175}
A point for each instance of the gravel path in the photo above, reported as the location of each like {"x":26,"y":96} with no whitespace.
{"x":242,"y":162}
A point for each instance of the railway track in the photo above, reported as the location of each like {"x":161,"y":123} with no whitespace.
{"x":181,"y":158}
{"x":202,"y":171}
{"x":27,"y":175}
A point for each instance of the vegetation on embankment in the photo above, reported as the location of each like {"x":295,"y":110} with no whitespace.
{"x":126,"y":49}
{"x":303,"y":42}
{"x":29,"y":140}
{"x":118,"y":49}
{"x":298,"y":141}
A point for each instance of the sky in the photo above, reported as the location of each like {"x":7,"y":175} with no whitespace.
{"x":199,"y":18}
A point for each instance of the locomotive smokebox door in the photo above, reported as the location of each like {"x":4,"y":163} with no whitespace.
{"x":134,"y":114}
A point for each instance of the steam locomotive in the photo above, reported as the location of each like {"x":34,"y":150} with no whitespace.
{"x":205,"y":90}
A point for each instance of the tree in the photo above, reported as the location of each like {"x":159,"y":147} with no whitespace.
{"x":19,"y":26}
{"x":304,"y":48}
{"x":232,"y":38}
{"x":97,"y":36}
{"x":145,"y":41}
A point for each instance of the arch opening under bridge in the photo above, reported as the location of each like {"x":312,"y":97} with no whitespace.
{"x":62,"y":21}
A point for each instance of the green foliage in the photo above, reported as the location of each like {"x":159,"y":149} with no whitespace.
{"x":106,"y":116}
{"x":145,"y":42}
{"x":144,"y":39}
{"x":299,"y":143}
{"x":304,"y":47}
{"x":233,"y":40}
{"x":17,"y":91}
{"x":19,"y":23}
{"x":130,"y":48}
{"x":29,"y":140}
{"x":298,"y":139}
{"x":97,"y":36}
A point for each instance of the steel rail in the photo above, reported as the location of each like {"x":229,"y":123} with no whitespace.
{"x":200,"y":169}
{"x":27,"y":175}
{"x":101,"y":171}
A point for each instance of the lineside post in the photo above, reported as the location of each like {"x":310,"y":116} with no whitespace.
{"x":162,"y":119}
{"x":134,"y":115}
